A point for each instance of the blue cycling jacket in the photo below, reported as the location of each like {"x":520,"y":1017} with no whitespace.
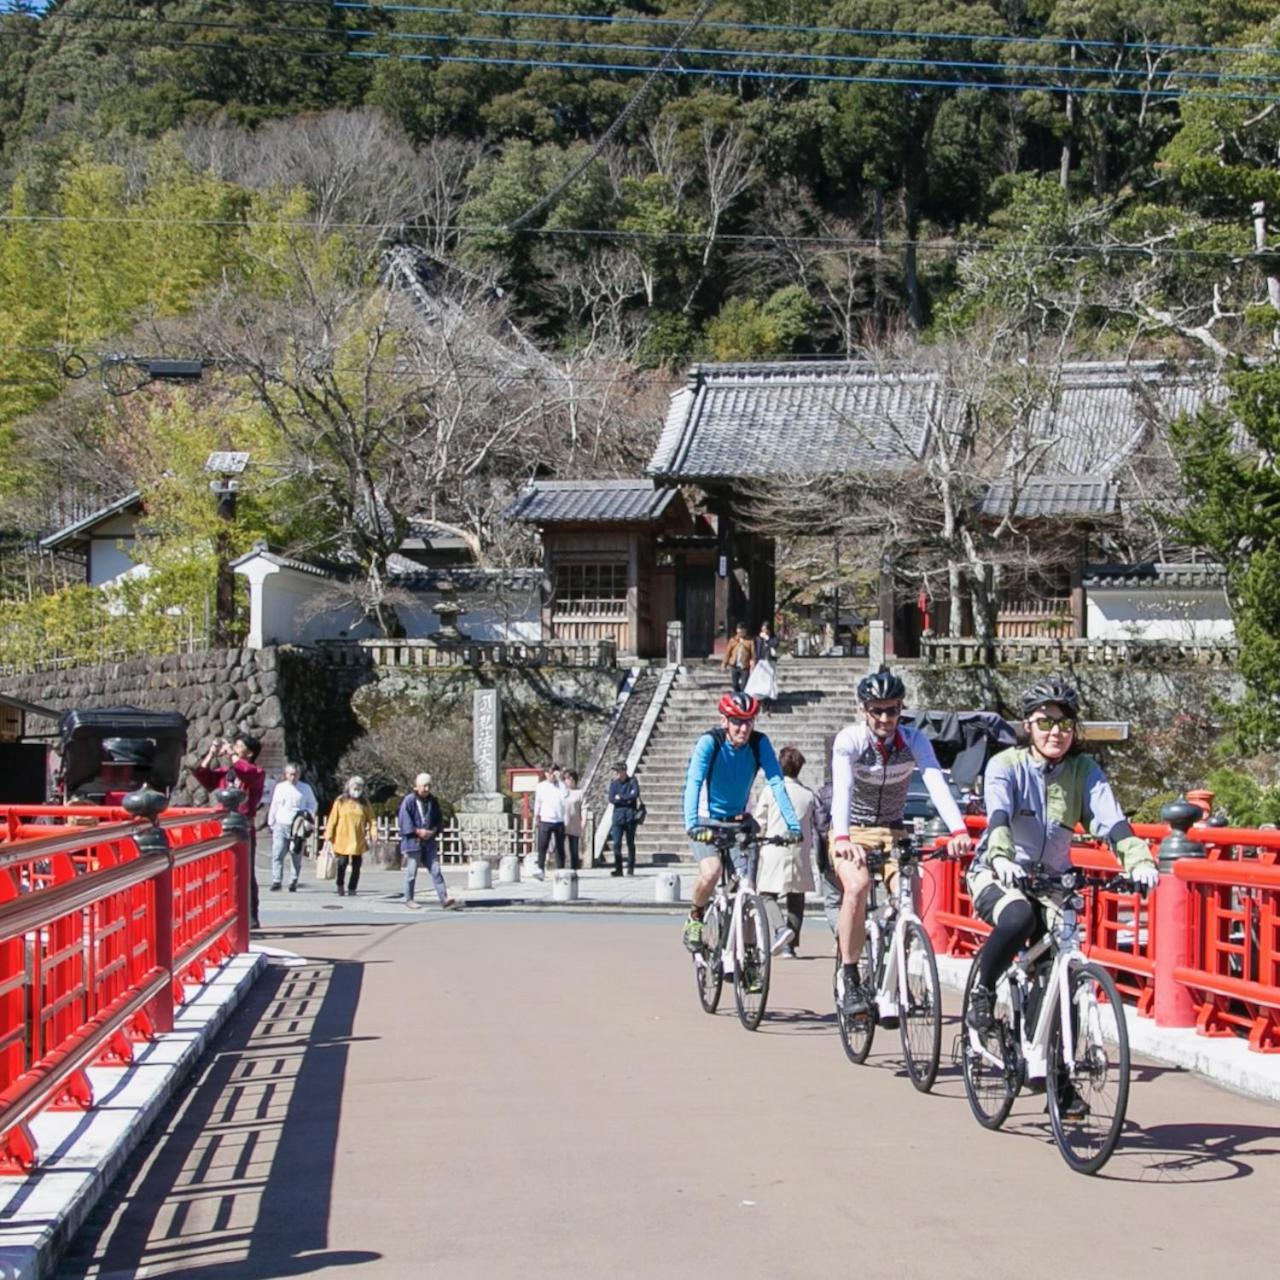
{"x":729,"y":793}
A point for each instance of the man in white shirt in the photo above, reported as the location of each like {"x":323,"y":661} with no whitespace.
{"x":549,"y":815}
{"x":289,"y":797}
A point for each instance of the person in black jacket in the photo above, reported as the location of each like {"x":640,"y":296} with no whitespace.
{"x":624,"y":795}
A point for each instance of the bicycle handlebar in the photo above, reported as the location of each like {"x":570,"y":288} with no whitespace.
{"x":1081,"y":878}
{"x":747,"y":832}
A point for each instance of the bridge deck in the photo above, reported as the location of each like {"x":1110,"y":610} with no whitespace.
{"x":497,"y":1096}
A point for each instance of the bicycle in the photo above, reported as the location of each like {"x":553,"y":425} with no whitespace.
{"x":736,"y":938}
{"x":898,"y":958}
{"x":1049,"y":1033}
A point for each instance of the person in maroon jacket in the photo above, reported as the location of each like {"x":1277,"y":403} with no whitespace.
{"x":240,"y":771}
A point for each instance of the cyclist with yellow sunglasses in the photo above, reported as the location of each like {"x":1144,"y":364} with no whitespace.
{"x":1035,"y":795}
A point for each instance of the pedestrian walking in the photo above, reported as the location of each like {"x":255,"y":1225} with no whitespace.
{"x":624,"y":795}
{"x":289,"y":797}
{"x":572,"y":816}
{"x":763,"y":680}
{"x":349,"y":830}
{"x":421,"y":821}
{"x":240,"y":770}
{"x":739,"y":654}
{"x":784,"y":872}
{"x":548,"y":814}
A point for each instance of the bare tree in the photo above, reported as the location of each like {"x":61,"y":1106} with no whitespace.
{"x":933,"y":516}
{"x":359,"y":170}
{"x":390,"y":404}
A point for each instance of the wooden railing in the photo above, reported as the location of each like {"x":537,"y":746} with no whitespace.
{"x":103,"y":928}
{"x":430,"y":653}
{"x":947,"y":651}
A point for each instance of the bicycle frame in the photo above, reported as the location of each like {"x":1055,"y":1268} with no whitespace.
{"x":731,"y":951}
{"x":1064,"y":940}
{"x":891,"y":990}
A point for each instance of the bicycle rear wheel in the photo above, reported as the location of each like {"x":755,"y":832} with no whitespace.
{"x":991,"y":1072}
{"x":708,"y":968}
{"x":751,"y":974}
{"x":858,"y":1030}
{"x":1088,"y":1100}
{"x":920,"y":1019}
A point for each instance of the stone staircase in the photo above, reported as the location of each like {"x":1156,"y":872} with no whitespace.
{"x":816,"y":699}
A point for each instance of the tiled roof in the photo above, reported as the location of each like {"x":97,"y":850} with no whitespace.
{"x":596,"y":501}
{"x":762,"y":420}
{"x":1098,"y":414}
{"x":758,"y":420}
{"x":1150,"y":575}
{"x":83,"y":528}
{"x":1052,"y":496}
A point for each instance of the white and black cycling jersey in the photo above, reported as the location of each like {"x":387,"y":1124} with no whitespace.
{"x":870,"y":777}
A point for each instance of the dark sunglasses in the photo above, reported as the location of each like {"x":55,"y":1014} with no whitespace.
{"x":883,"y":712}
{"x":1046,"y":723}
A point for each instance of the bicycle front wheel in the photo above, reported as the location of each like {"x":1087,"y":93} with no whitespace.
{"x":990,"y":1063}
{"x":920,"y":1017}
{"x":858,"y":1030}
{"x":1089,"y":1094}
{"x":751,"y":975}
{"x":708,"y":968}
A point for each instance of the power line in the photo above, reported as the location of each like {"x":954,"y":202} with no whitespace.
{"x":611,"y":132}
{"x":940,"y":245}
{"x":874,"y":33}
{"x":603,"y":47}
{"x":722,"y":73}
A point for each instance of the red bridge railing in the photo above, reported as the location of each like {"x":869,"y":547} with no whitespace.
{"x":1202,"y":950}
{"x":104,"y":922}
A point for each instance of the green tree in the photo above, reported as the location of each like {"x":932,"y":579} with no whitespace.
{"x":1233,"y":511}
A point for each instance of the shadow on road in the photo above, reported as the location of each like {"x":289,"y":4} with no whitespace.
{"x":237,"y":1178}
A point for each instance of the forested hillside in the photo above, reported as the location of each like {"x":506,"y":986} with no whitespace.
{"x":587,"y":198}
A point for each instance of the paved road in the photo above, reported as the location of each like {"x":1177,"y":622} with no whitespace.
{"x":489,"y":1096}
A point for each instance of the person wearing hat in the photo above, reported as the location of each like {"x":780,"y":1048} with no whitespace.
{"x":624,"y":795}
{"x":420,"y":823}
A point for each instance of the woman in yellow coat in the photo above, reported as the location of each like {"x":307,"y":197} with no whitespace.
{"x":349,"y":830}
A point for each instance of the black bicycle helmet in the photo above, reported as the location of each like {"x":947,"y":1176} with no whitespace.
{"x":1051,"y":692}
{"x":882,"y":686}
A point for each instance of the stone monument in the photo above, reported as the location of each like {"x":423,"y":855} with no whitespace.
{"x":484,"y":814}
{"x":564,"y":747}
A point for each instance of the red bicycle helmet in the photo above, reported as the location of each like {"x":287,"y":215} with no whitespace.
{"x":739,"y":706}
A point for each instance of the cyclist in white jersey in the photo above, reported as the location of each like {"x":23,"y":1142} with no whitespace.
{"x":871,"y":767}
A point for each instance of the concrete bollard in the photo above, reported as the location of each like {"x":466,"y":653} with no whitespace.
{"x":479,"y":874}
{"x":564,"y":886}
{"x":666,"y":887}
{"x":509,"y":870}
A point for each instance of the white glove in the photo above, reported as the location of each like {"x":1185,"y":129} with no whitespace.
{"x":1009,"y":873}
{"x":1145,"y":875}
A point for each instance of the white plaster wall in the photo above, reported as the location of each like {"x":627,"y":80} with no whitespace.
{"x":278,"y":598}
{"x":1147,"y":614}
{"x":109,"y":558}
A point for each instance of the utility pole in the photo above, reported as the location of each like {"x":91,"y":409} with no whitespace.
{"x":225,"y":490}
{"x":1269,"y":264}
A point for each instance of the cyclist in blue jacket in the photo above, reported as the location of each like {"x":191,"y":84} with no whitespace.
{"x":725,"y":761}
